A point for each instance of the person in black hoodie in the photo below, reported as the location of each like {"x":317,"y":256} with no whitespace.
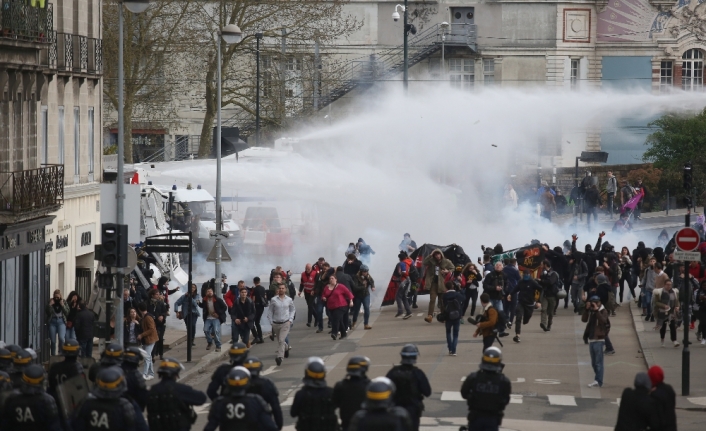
{"x":527,"y":290}
{"x":243,"y":315}
{"x":666,"y":400}
{"x":638,"y":411}
{"x":352,"y":265}
{"x":560,"y":264}
{"x":259,"y":295}
{"x":590,"y":255}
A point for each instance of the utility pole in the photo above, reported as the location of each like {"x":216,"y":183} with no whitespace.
{"x":317,"y":66}
{"x":406,"y":61}
{"x":686,"y":290}
{"x":258,"y":37}
{"x":120,"y":183}
{"x":283,"y":71}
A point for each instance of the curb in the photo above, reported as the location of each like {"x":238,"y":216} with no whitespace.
{"x":205,"y":362}
{"x":177,"y":342}
{"x":644,"y":348}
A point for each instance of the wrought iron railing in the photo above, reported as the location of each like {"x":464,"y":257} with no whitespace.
{"x":32,"y":189}
{"x":75,"y":53}
{"x":19,"y":20}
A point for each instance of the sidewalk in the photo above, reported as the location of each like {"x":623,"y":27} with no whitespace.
{"x":670,"y":359}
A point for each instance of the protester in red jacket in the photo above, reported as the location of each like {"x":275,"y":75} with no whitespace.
{"x":308,"y":280}
{"x":337,"y":298}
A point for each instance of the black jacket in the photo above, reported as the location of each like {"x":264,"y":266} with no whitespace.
{"x":83,"y":325}
{"x":666,"y":404}
{"x":156,"y":309}
{"x":241,"y":311}
{"x":220,"y":307}
{"x":345,"y":280}
{"x":638,"y":411}
{"x":592,"y":198}
{"x":491,"y":281}
{"x":526,"y":290}
{"x":260,"y":294}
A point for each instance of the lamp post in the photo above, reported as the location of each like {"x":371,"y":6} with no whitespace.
{"x":230,"y":34}
{"x":396,"y":17}
{"x":134,"y":6}
{"x":444,"y":27}
{"x":258,"y":37}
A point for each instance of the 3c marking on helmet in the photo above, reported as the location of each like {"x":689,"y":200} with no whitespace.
{"x":235,"y":411}
{"x":99,"y":420}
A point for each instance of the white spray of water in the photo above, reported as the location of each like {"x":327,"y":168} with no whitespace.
{"x":376,"y":174}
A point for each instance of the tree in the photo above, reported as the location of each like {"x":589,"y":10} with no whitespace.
{"x":304,"y":23}
{"x":151,"y":79}
{"x":681,"y":138}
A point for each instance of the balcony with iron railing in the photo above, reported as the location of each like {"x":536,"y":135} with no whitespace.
{"x":24,"y":25}
{"x":74,"y":54}
{"x":31,"y":193}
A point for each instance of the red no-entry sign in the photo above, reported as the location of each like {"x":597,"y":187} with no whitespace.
{"x":687,"y":239}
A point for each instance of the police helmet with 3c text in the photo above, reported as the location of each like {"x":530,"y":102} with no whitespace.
{"x":315,"y":373}
{"x":409,"y":354}
{"x":237,"y":381}
{"x":379,"y":394}
{"x":254,"y":365}
{"x":110,"y":383}
{"x":492,"y":360}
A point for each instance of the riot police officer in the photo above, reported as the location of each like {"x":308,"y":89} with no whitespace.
{"x":265,"y":388}
{"x":170,"y":404}
{"x":411,"y":383}
{"x":238,"y":353}
{"x":313,"y":404}
{"x":59,"y":372}
{"x":111,"y":356}
{"x":5,"y":389}
{"x":136,"y":387}
{"x":349,"y":393}
{"x":19,"y":362}
{"x":487,"y":392}
{"x":5,"y":360}
{"x":379,"y":411}
{"x":105,"y":408}
{"x":238,"y":410}
{"x":30,"y":409}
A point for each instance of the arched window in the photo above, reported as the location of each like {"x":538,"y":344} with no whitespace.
{"x":692,"y":74}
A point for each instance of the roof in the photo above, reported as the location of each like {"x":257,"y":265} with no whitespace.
{"x":193,"y":195}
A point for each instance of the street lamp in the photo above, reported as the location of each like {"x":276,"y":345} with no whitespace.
{"x":444,"y":27}
{"x":405,"y":29}
{"x":230,"y":34}
{"x":134,"y":6}
{"x":258,"y":37}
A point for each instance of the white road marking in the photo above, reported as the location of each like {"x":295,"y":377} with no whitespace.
{"x":519,"y":380}
{"x":547,"y":381}
{"x":700,"y":401}
{"x":288,"y":402}
{"x":333,"y":360}
{"x":335,"y":346}
{"x":561,"y":400}
{"x":273,"y":369}
{"x":617,"y":401}
{"x":515,"y":399}
{"x":420,"y":314}
{"x":451,"y":396}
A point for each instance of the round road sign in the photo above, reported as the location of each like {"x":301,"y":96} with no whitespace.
{"x":687,"y":239}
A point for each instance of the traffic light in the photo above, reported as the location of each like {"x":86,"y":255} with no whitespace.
{"x":105,"y":281}
{"x":688,"y":177}
{"x":114,"y":242}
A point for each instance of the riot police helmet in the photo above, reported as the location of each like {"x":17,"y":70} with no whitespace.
{"x":238,"y":353}
{"x":237,"y":381}
{"x":358,"y":366}
{"x":170,"y":368}
{"x":33,"y":376}
{"x":14,"y":349}
{"x":22,"y":359}
{"x":132,"y":355}
{"x":112,"y":355}
{"x":409,"y":354}
{"x":5,"y":358}
{"x":5,"y":382}
{"x":379,"y":394}
{"x":492,"y":360}
{"x":254,"y":365}
{"x":71,"y":348}
{"x":110,"y":383}
{"x":315,"y":373}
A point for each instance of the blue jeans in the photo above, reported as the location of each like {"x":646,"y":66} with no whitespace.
{"x":215,"y":325}
{"x":596,"y":350}
{"x":647,"y":303}
{"x":320,"y":312}
{"x":57,"y":326}
{"x":452,"y":339}
{"x":86,"y":348}
{"x":402,"y":297}
{"x":240,"y":331}
{"x":497,"y":304}
{"x":149,"y":366}
{"x":365,"y":302}
{"x":608,"y":344}
{"x":70,"y":334}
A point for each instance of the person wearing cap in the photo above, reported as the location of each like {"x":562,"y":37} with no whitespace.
{"x":238,"y":409}
{"x":596,"y":318}
{"x":313,"y":404}
{"x":170,"y":403}
{"x":411,"y":383}
{"x":105,"y":407}
{"x":30,"y":408}
{"x":402,"y":296}
{"x":136,"y":387}
{"x":379,"y":412}
{"x":363,"y":283}
{"x":264,"y":387}
{"x":237,"y":355}
{"x":59,"y":372}
{"x":487,"y":392}
{"x":638,"y":411}
{"x":349,"y":393}
{"x":666,"y":399}
{"x":110,"y":357}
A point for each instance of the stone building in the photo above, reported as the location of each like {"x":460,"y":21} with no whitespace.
{"x":50,"y":164}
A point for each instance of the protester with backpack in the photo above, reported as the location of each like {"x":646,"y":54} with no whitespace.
{"x":488,"y":322}
{"x":402,"y":297}
{"x":411,"y":383}
{"x":452,"y":300}
{"x":551,"y":285}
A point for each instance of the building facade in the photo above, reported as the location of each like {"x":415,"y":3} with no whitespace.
{"x":50,"y":164}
